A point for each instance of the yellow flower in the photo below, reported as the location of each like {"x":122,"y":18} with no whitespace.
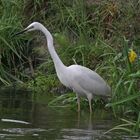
{"x":132,"y":56}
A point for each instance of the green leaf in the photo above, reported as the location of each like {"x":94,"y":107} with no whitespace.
{"x":135,"y":75}
{"x":129,"y":98}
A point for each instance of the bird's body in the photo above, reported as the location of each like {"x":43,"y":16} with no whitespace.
{"x":77,"y":78}
{"x":82,"y":80}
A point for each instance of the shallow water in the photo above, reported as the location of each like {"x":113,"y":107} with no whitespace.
{"x":22,"y":119}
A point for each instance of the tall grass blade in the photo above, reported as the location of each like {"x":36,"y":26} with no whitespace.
{"x":129,"y":98}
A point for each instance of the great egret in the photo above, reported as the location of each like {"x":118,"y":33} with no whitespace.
{"x":82,"y":80}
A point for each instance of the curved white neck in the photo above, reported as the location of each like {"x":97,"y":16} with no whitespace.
{"x":57,"y":62}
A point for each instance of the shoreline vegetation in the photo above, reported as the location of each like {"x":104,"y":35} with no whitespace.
{"x":101,"y":35}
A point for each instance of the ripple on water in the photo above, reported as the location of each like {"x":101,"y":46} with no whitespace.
{"x":23,"y":130}
{"x":82,"y":134}
{"x":16,"y":133}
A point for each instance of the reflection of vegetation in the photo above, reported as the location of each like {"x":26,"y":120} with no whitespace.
{"x":14,"y":104}
{"x":98,"y":35}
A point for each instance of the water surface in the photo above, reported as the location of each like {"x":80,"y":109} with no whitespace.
{"x":30,"y":120}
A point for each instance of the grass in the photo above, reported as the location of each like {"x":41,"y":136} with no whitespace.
{"x":10,"y":49}
{"x":95,"y":35}
{"x":131,"y":127}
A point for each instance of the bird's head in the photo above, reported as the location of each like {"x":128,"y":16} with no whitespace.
{"x":33,"y":26}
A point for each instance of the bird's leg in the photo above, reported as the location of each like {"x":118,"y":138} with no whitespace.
{"x":89,"y":101}
{"x":78,"y":102}
{"x":90,"y":106}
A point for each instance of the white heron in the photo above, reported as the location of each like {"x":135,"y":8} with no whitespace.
{"x":82,"y":80}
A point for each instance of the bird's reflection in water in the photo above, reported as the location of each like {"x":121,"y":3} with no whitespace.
{"x":91,"y":126}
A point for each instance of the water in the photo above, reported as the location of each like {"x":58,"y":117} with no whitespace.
{"x":22,"y":119}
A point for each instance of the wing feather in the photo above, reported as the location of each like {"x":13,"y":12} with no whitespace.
{"x":89,"y":81}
